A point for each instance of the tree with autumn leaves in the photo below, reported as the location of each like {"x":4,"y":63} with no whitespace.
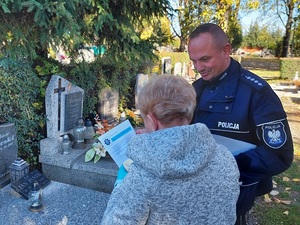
{"x":226,"y":13}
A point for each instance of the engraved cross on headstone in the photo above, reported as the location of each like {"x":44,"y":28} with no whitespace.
{"x":59,"y":90}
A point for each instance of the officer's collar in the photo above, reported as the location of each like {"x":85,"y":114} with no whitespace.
{"x":218,"y":78}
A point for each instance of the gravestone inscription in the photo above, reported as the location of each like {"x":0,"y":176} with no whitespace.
{"x":73,"y":109}
{"x":24,"y":185}
{"x":8,"y":151}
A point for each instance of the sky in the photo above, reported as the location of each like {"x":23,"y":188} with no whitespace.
{"x":253,"y":16}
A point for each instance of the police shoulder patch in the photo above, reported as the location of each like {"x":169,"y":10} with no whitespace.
{"x":274,"y":135}
{"x":253,"y":80}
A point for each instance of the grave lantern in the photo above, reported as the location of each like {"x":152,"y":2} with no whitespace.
{"x":65,"y":144}
{"x":79,"y":135}
{"x":35,"y":198}
{"x":18,"y":169}
{"x":89,"y":132}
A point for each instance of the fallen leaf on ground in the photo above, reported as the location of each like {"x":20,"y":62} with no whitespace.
{"x":288,"y":188}
{"x":286,"y":179}
{"x":277,"y":200}
{"x":296,"y":180}
{"x":286,"y":202}
{"x":267,"y":198}
{"x":274,"y":192}
{"x":286,"y":213}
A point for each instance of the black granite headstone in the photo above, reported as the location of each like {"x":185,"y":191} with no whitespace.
{"x":73,"y":109}
{"x":8,"y":151}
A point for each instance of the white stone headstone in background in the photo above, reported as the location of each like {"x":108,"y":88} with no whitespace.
{"x":185,"y":70}
{"x":177,"y":69}
{"x":141,"y":80}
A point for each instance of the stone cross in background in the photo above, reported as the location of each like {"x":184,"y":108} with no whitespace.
{"x":59,"y":90}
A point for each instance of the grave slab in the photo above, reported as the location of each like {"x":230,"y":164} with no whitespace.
{"x":63,"y":204}
{"x":72,"y":169}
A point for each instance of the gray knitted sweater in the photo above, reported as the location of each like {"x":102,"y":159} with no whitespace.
{"x":179,"y":175}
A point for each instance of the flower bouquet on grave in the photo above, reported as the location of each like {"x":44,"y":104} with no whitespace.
{"x":97,"y":151}
{"x":134,"y":119}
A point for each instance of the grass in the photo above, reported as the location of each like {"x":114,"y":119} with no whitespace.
{"x":269,"y":74}
{"x":284,"y":208}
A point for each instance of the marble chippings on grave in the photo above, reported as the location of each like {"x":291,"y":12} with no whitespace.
{"x":108,"y":105}
{"x":141,"y":80}
{"x":64,"y":106}
{"x":166,"y":65}
{"x":8,"y":151}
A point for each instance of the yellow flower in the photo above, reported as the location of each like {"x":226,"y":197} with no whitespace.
{"x":131,"y":114}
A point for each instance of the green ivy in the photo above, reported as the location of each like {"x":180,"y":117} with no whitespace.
{"x":19,"y":104}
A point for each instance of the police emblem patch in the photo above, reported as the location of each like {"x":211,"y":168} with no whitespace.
{"x":274,"y":134}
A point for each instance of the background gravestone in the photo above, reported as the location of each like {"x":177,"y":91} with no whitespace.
{"x":141,"y":80}
{"x":185,"y":70}
{"x":64,"y":106}
{"x":191,"y":71}
{"x":166,"y":65}
{"x":177,"y":69}
{"x":8,"y":151}
{"x":108,"y":106}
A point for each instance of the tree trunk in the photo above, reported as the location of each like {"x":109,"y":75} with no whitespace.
{"x":183,"y":43}
{"x":288,"y":29}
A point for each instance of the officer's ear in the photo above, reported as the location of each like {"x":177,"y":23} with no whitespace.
{"x":227,"y":49}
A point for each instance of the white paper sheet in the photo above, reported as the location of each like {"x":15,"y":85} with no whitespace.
{"x":234,"y":146}
{"x":115,"y":141}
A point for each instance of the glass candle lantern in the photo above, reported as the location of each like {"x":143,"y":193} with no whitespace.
{"x":79,"y":135}
{"x":65,"y":145}
{"x":89,"y":132}
{"x":18,"y":169}
{"x":35,"y":198}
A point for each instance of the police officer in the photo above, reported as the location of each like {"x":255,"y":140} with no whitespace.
{"x":236,"y":103}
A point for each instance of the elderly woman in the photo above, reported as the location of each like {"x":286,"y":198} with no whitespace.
{"x":179,"y":174}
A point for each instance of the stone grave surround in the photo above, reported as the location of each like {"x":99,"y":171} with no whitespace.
{"x":64,"y":106}
{"x":8,"y":151}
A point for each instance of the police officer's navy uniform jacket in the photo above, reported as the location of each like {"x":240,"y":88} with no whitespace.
{"x":240,"y":105}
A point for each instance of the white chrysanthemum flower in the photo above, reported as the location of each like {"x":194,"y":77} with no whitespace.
{"x":99,"y":149}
